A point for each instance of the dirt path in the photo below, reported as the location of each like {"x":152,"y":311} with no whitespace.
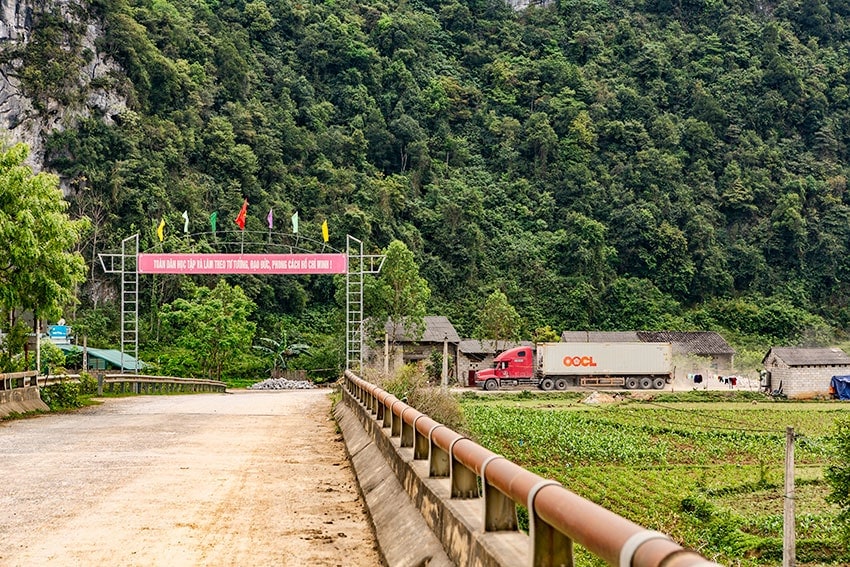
{"x":246,"y":478}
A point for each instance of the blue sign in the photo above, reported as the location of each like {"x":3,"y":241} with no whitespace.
{"x":57,"y":331}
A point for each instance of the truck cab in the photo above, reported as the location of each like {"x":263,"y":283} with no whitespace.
{"x":514,"y":365}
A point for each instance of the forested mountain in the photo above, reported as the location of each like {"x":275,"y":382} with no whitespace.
{"x":608,"y":165}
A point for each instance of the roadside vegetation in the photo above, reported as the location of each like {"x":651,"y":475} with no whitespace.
{"x":708,"y":472}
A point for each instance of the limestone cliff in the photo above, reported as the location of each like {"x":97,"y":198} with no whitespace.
{"x":29,"y":114}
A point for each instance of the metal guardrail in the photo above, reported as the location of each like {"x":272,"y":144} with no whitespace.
{"x":142,"y":384}
{"x":557,"y":517}
{"x":120,"y":383}
{"x":17,"y":380}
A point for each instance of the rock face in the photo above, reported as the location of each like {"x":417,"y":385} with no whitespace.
{"x":20,"y":119}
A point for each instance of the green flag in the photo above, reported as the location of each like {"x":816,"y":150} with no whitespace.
{"x":295,"y":222}
{"x":213,"y":218}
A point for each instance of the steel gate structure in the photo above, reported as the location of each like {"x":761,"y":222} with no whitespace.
{"x":358,"y":265}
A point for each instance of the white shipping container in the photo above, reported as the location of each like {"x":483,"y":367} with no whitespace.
{"x":605,"y":359}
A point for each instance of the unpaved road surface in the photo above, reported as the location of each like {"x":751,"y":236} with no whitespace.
{"x":244,"y":478}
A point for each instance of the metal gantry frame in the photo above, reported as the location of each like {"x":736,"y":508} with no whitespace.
{"x":126,"y":265}
{"x":358,"y":265}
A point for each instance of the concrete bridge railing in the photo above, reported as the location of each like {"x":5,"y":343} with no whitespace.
{"x":14,"y":380}
{"x":141,"y":384}
{"x":439,"y":468}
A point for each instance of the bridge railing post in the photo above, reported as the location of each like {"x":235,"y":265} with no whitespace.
{"x":464,"y":480}
{"x":408,"y":418}
{"x":395,"y":424}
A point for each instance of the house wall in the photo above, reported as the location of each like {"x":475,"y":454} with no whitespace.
{"x":804,"y":381}
{"x":465,"y":364}
{"x":406,"y":353}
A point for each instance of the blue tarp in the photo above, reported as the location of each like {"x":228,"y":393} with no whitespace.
{"x":840,"y":387}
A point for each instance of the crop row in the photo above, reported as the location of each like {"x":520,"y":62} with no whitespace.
{"x":709,"y":474}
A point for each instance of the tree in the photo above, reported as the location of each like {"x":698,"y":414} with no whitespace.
{"x":281,"y":351}
{"x":838,"y":476}
{"x":212,"y":324}
{"x":399,"y":295}
{"x":37,"y":269}
{"x":498,"y":321}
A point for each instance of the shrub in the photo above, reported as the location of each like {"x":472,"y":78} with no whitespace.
{"x":411,"y":385}
{"x":62,"y":396}
{"x":838,"y":476}
{"x":88,"y":384}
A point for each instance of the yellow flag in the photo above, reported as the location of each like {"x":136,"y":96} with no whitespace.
{"x":160,"y":229}
{"x":325,"y":230}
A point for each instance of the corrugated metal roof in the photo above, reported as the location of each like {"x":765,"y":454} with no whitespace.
{"x":701,"y":343}
{"x":599,"y":337}
{"x":437,"y":328}
{"x":810,"y":356}
{"x":475,"y":346}
{"x":109,"y":355}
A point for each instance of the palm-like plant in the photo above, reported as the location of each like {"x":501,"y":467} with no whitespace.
{"x":281,"y":351}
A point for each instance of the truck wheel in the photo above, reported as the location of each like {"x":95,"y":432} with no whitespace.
{"x":659,"y":383}
{"x":491,"y":385}
{"x":547,"y":384}
{"x":561,"y":384}
{"x":632,"y":383}
{"x":645,"y":383}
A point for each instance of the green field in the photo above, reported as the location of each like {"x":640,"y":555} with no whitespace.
{"x":710,"y":473}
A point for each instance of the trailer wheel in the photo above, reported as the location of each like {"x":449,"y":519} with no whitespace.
{"x":632,"y":383}
{"x":547,"y":384}
{"x":645,"y":383}
{"x":561,"y":384}
{"x":491,"y":385}
{"x":659,"y":383}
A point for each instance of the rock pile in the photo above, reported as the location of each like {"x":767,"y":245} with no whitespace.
{"x":599,"y":398}
{"x":282,"y":384}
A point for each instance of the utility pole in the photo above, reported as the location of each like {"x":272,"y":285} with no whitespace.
{"x":789,"y":542}
{"x":386,"y":354}
{"x":445,"y":362}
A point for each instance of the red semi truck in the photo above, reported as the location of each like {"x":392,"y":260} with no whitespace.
{"x":559,"y":365}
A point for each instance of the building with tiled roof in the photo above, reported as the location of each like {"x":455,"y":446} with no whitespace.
{"x":706,"y":345}
{"x":804,"y":372}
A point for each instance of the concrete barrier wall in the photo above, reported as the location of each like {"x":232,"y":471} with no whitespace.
{"x":456,"y":526}
{"x":467,"y":496}
{"x":21,"y":400}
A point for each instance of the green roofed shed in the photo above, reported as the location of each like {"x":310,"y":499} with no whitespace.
{"x":106,"y":359}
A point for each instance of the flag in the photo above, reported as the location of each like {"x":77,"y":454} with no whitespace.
{"x":185,"y":222}
{"x":240,"y":218}
{"x":213,"y":219}
{"x":270,"y":218}
{"x":160,"y":229}
{"x":295,"y":223}
{"x":325,"y":230}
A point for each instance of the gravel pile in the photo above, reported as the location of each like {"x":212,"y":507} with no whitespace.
{"x":283,"y":384}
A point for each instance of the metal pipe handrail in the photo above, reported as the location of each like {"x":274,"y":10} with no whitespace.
{"x":116,"y":378}
{"x":561,"y":516}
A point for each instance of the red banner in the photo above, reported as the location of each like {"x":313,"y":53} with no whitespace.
{"x":242,"y":263}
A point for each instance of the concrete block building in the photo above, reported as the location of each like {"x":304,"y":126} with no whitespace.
{"x":694,"y":352}
{"x":474,"y":355}
{"x":804,"y":372}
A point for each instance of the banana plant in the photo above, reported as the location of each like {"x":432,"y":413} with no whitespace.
{"x":281,"y":351}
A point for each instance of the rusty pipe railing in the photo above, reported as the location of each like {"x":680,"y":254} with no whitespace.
{"x":557,"y":517}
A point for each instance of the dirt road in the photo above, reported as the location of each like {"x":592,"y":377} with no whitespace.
{"x":245,"y":478}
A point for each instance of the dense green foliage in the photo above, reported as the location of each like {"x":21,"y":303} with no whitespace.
{"x":838,"y":476}
{"x":635,"y":165}
{"x":39,"y":268}
{"x":709,"y":473}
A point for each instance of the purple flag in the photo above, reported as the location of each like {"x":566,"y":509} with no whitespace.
{"x":270,"y":218}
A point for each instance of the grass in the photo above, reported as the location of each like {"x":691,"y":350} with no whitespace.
{"x":706,"y":468}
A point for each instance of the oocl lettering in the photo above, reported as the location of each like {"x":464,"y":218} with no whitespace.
{"x":579,"y":361}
